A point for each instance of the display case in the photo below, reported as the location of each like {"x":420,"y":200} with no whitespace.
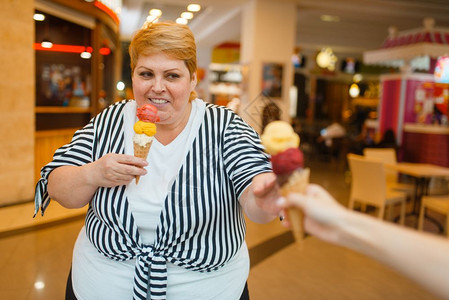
{"x":63,"y":77}
{"x":76,"y":74}
{"x":407,"y":107}
{"x":225,"y":83}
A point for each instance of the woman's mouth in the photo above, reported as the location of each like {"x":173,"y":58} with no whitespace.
{"x":158,"y":100}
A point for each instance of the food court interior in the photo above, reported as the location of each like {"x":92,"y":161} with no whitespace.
{"x":341,"y":72}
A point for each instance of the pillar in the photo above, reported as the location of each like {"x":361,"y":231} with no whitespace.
{"x":268,"y":37}
{"x":17,"y":99}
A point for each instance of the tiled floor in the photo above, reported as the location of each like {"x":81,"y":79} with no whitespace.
{"x":34,"y":263}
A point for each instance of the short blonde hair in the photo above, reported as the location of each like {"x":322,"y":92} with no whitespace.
{"x":175,"y":40}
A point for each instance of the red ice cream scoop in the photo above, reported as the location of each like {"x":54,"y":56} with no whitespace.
{"x":148,"y":113}
{"x":287,"y":161}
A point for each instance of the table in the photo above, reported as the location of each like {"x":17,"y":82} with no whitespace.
{"x":422,"y":173}
{"x":419,"y":170}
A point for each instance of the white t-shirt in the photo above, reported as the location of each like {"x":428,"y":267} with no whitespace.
{"x":95,"y":276}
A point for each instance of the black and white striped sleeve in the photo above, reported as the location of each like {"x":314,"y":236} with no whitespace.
{"x":243,"y":154}
{"x":78,"y":152}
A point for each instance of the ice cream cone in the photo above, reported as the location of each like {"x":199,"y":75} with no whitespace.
{"x":297,"y":183}
{"x":141,"y":152}
{"x":287,"y":160}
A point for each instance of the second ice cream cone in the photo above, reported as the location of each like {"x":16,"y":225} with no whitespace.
{"x":296,"y":183}
{"x":282,"y":143}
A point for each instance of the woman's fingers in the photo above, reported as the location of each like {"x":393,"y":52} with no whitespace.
{"x":120,"y":169}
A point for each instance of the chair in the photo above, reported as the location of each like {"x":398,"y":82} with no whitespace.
{"x":439,"y":204}
{"x":369,"y":186}
{"x":388,"y":156}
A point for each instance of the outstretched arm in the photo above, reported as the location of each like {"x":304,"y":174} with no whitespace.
{"x":74,"y":186}
{"x":259,"y":199}
{"x":420,"y":256}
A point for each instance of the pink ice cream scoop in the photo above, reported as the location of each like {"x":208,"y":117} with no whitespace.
{"x":148,"y":113}
{"x":287,"y":161}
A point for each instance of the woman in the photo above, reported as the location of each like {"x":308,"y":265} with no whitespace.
{"x":179,"y":233}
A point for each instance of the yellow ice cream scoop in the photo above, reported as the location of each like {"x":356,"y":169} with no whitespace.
{"x":147,"y":128}
{"x":279,"y":136}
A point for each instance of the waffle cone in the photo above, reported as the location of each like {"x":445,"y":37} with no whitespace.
{"x":296,"y":183}
{"x":141,"y":152}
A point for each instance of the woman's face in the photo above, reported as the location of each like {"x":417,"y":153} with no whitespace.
{"x":164,"y":82}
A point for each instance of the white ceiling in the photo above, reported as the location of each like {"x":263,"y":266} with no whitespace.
{"x":363,"y":24}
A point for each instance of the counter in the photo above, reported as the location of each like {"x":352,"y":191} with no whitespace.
{"x":425,"y":143}
{"x":426,"y":128}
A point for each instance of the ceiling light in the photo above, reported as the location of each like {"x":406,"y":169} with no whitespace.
{"x":120,"y":86}
{"x":155,"y":12}
{"x":354,"y":90}
{"x":46,"y":43}
{"x":194,"y":7}
{"x":181,"y":21}
{"x":326,"y":59}
{"x":39,"y":285}
{"x":39,"y":17}
{"x":329,"y":18}
{"x":323,"y":59}
{"x":187,"y":15}
{"x":152,"y":19}
{"x":357,"y":77}
{"x":85,"y":54}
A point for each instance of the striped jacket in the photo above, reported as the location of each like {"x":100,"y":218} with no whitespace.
{"x":201,"y":225}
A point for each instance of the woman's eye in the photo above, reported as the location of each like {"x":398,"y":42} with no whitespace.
{"x":173,"y":76}
{"x":146,"y":74}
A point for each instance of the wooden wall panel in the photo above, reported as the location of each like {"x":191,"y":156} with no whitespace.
{"x":47,"y":141}
{"x":17,"y":102}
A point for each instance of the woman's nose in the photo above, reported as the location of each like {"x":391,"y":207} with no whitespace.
{"x":158,"y":85}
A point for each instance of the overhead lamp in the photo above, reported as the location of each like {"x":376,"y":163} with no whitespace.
{"x":152,"y":19}
{"x":329,"y":18}
{"x":85,"y":54}
{"x":46,"y":44}
{"x":39,"y":285}
{"x":38,"y":17}
{"x":181,"y":21}
{"x":326,"y":59}
{"x":194,"y":7}
{"x":155,"y":12}
{"x":120,"y":86}
{"x":357,"y":77}
{"x":187,"y":15}
{"x":323,"y":59}
{"x":354,"y":90}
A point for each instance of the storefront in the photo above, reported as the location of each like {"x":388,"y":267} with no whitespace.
{"x":77,"y":59}
{"x":414,"y":103}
